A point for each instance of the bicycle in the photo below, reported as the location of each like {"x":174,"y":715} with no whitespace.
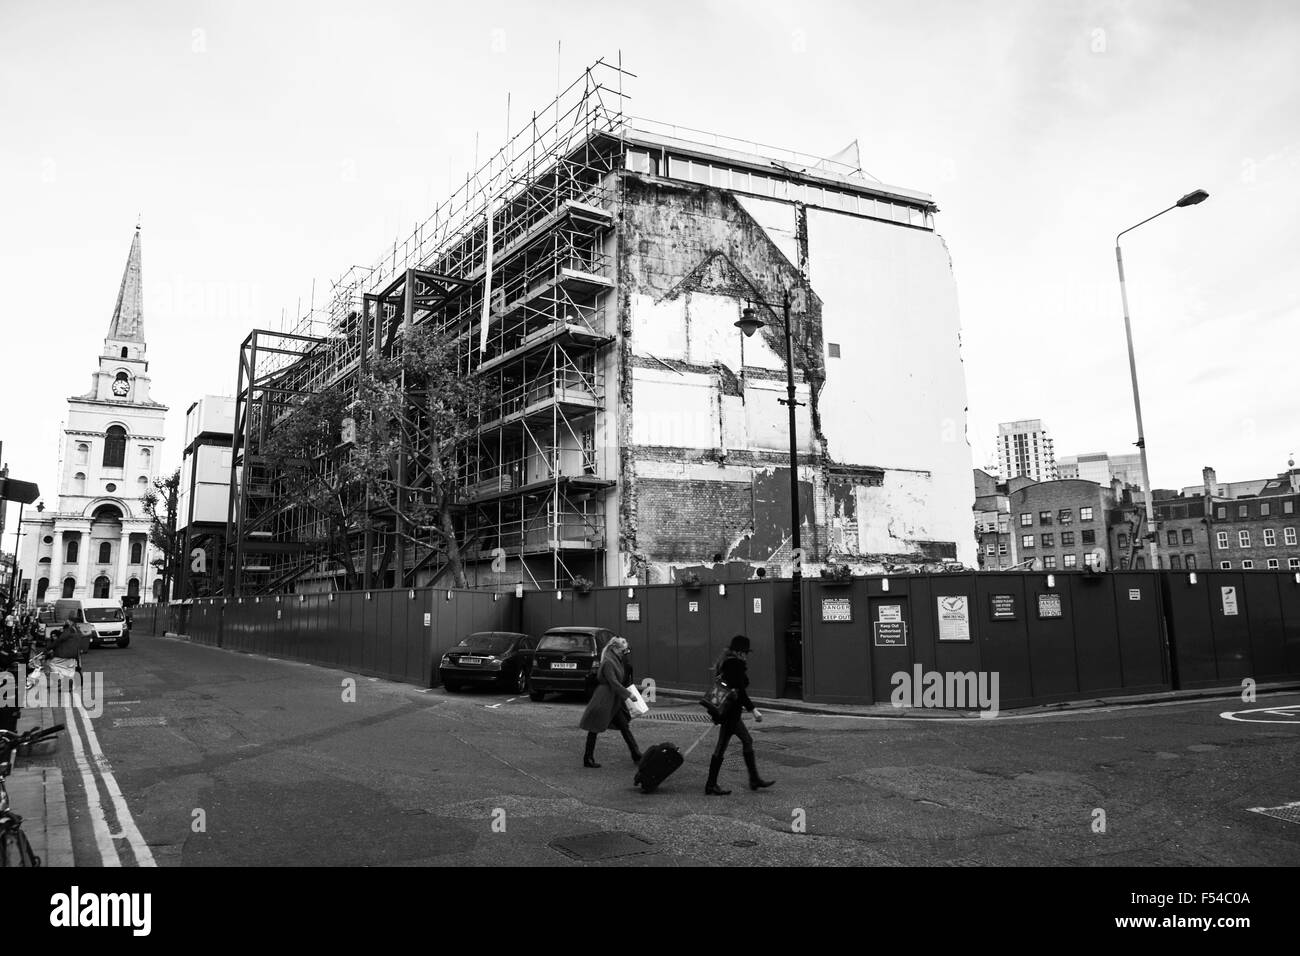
{"x":15,"y":848}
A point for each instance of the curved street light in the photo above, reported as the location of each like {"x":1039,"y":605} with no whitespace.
{"x":1191,"y":199}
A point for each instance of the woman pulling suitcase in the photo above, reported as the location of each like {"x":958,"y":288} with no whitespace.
{"x":732,"y":669}
{"x":606,"y":708}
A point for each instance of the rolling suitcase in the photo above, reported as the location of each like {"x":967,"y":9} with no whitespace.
{"x":659,"y":763}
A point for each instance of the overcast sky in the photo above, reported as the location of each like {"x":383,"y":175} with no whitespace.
{"x":269,"y":144}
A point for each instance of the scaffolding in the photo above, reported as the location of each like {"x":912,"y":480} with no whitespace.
{"x":529,"y":232}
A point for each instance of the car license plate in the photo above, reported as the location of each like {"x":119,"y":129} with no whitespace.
{"x":471,"y":660}
{"x":565,"y":666}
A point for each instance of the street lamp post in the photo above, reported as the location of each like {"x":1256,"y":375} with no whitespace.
{"x":1153,"y":537}
{"x":749,"y":323}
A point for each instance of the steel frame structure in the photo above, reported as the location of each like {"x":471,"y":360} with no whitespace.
{"x":551,"y":195}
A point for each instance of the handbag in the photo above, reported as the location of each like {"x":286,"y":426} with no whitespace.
{"x":636,"y":705}
{"x":719,"y":700}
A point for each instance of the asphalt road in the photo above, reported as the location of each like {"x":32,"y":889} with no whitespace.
{"x":218,"y":758}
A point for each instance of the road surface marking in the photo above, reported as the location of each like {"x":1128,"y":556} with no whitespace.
{"x":103,"y":838}
{"x":1290,"y":715}
{"x":121,"y":702}
{"x":138,"y":847}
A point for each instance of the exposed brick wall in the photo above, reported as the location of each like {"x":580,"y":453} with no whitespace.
{"x":691,"y":520}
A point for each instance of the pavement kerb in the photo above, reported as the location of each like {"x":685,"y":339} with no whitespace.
{"x":37,"y":794}
{"x":889,"y":710}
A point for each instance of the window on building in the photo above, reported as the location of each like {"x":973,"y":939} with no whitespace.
{"x":71,"y":558}
{"x":1225,"y":565}
{"x":1273,"y":564}
{"x":1243,"y":511}
{"x":1288,"y":507}
{"x":1221,"y":512}
{"x":1048,"y":541}
{"x":137,"y":552}
{"x":1085,"y":514}
{"x":1026,"y":541}
{"x":1065,"y":515}
{"x":1190,"y":561}
{"x":1293,"y":564}
{"x":1248,"y":565}
{"x":1002,"y":547}
{"x":1123,"y":564}
{"x":105,"y":552}
{"x":83,"y":453}
{"x":115,"y":447}
{"x":1288,"y":536}
{"x":1089,"y":537}
{"x":1026,"y":520}
{"x":41,"y":587}
{"x":1270,"y":538}
{"x":1049,"y":562}
{"x":69,"y":585}
{"x":101,"y":586}
{"x":1122,"y":540}
{"x":1243,"y":539}
{"x":1265,"y":509}
{"x":637,"y":161}
{"x":1044,"y":517}
{"x":991,"y":549}
{"x":1222,"y":539}
{"x":1174,"y":563}
{"x":1172,"y":537}
{"x":1140,"y":564}
{"x":1187,"y":536}
{"x":1070,"y":561}
{"x":1067,"y":539}
{"x":834,"y":349}
{"x":1090,"y":560}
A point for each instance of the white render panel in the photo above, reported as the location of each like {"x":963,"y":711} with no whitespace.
{"x":659,"y":329}
{"x":896,"y":398}
{"x":674,"y":409}
{"x":767,"y":421}
{"x":712,"y":335}
{"x":898,"y":512}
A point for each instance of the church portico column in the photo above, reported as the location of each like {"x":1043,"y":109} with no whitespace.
{"x":85,"y":587}
{"x":56,"y":565}
{"x":123,"y":565}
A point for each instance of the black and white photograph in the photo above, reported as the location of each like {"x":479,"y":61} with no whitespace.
{"x":715,"y":435}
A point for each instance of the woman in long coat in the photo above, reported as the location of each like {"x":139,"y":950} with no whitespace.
{"x":733,"y":670}
{"x":606,"y":708}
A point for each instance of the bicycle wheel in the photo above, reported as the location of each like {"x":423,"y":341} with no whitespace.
{"x":15,"y":848}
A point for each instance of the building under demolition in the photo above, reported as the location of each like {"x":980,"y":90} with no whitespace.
{"x":593,"y":272}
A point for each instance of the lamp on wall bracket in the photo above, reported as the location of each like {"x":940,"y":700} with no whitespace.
{"x":884,"y":584}
{"x":1051,"y":580}
{"x":1191,"y":577}
{"x":519,"y":590}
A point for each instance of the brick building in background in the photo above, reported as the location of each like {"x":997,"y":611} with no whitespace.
{"x":1259,"y":532}
{"x":1062,"y":525}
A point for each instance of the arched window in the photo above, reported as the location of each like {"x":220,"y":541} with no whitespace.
{"x":69,"y":585}
{"x":101,"y":587}
{"x":115,"y":447}
{"x":105,"y":552}
{"x":73,"y":548}
{"x":41,"y":587}
{"x":157,"y":589}
{"x":83,"y":453}
{"x":43,"y":561}
{"x":79,"y":483}
{"x":123,"y":351}
{"x":133,"y":588}
{"x":137,"y":551}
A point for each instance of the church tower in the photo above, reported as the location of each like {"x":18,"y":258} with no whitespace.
{"x":96,"y":544}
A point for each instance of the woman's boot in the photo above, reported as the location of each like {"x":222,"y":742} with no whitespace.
{"x":711,"y":788}
{"x":589,"y":758}
{"x":755,"y":781}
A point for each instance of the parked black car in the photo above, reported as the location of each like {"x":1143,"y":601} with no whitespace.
{"x":504,"y":658}
{"x":567,"y":659}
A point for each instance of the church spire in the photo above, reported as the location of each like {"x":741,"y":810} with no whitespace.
{"x":128,"y":316}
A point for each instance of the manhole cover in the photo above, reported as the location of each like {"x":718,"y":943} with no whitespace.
{"x":140,"y":722}
{"x":682,"y":717}
{"x":1288,"y":812}
{"x":602,"y":846}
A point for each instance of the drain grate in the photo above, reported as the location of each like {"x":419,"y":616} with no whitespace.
{"x":607,"y":845}
{"x":140,"y":722}
{"x":684,"y":717}
{"x":1288,"y":812}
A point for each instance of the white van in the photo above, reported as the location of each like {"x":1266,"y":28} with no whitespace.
{"x":104,"y":615}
